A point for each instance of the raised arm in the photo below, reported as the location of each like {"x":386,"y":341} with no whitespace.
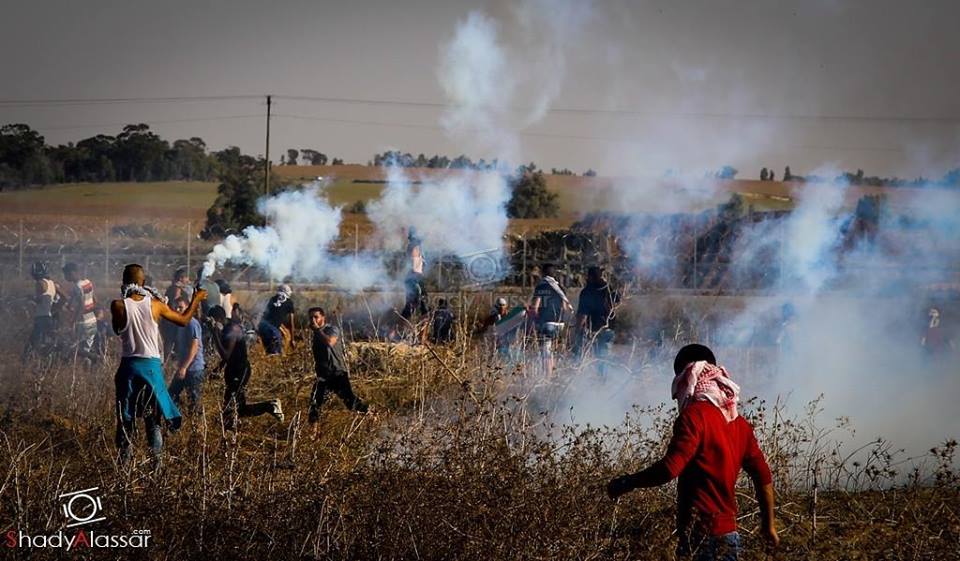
{"x":161,"y":310}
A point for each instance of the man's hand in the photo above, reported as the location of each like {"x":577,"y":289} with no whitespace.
{"x":182,"y":372}
{"x":769,"y":533}
{"x":619,"y":486}
{"x":200,"y":294}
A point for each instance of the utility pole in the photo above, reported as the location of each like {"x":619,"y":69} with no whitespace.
{"x":266,"y":164}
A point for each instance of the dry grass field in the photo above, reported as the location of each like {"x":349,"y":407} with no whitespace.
{"x":460,"y":458}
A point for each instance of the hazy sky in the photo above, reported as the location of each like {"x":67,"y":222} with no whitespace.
{"x":873,"y":84}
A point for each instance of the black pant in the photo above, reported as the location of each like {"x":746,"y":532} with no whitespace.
{"x":235,"y":395}
{"x":41,"y":336}
{"x":339,"y":385}
{"x":416,"y":296}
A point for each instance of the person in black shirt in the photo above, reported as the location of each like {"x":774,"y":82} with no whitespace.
{"x":442,"y":324}
{"x":277,"y":316}
{"x":330,"y":366}
{"x":231,"y":344}
{"x":595,"y":313}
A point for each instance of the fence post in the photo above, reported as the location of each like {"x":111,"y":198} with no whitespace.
{"x":696,"y":247}
{"x":523,"y":281}
{"x":20,"y":251}
{"x":189,"y":235}
{"x":106,"y":250}
{"x":356,"y":240}
{"x":780,"y":279}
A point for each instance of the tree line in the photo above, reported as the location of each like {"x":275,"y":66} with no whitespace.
{"x":135,"y":154}
{"x":951,"y":179}
{"x":395,"y":158}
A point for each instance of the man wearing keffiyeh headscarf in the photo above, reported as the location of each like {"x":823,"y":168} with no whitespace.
{"x":277,"y":317}
{"x":710,"y":444}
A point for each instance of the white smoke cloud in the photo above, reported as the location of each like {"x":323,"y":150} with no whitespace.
{"x":301,"y":227}
{"x":460,"y":215}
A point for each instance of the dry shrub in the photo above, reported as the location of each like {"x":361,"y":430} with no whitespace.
{"x":460,"y":459}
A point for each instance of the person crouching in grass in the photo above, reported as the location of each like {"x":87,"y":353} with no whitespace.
{"x":711,"y":442}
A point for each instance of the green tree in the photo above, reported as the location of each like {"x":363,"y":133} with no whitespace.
{"x":531,"y":198}
{"x":241,"y":185}
{"x":139,"y":154}
{"x":292,"y":155}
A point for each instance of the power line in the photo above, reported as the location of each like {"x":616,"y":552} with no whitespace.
{"x":559,"y":136}
{"x":121,"y":100}
{"x":918,"y":119}
{"x":148,"y":122}
{"x":639,"y":113}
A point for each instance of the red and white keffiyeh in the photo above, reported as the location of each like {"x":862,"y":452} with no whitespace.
{"x":702,"y":381}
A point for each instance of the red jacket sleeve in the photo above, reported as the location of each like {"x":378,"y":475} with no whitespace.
{"x":754,"y":463}
{"x":687,"y":434}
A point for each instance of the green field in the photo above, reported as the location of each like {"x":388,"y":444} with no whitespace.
{"x":190,"y":200}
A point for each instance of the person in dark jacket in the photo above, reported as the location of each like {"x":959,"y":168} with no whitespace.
{"x":277,"y":317}
{"x":330,"y":367}
{"x":595,"y":315}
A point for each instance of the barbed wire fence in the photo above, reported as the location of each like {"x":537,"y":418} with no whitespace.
{"x":101,"y":247}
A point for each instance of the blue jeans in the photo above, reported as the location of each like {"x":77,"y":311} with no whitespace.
{"x":193,"y":383}
{"x":709,"y":548}
{"x":271,"y":338}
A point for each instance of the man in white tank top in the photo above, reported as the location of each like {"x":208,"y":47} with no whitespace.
{"x":45,"y":295}
{"x":140,"y":388}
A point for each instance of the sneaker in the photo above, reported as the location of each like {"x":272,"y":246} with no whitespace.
{"x":360,"y":407}
{"x":277,"y":410}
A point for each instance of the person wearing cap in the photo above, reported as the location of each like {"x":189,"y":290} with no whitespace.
{"x":503,"y":335}
{"x":81,"y":310}
{"x":711,"y":442}
{"x":330,"y":367}
{"x":277,"y":316}
{"x":231,"y":343}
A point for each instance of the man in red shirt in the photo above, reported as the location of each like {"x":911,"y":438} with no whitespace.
{"x":710,"y":444}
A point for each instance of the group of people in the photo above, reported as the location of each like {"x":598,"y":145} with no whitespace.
{"x":65,"y":312}
{"x":141,"y":316}
{"x":710,"y":444}
{"x":546,"y":318}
